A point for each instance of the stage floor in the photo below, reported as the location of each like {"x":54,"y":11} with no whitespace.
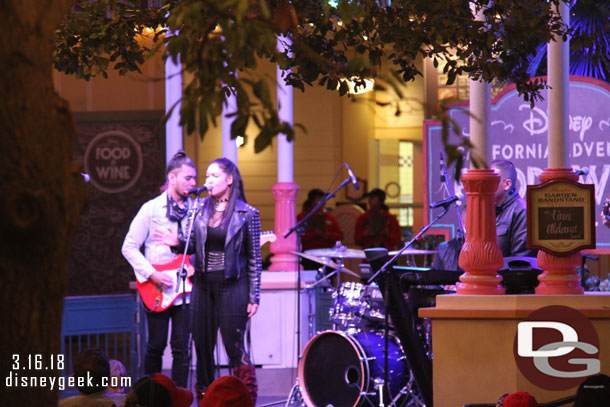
{"x":274,"y":385}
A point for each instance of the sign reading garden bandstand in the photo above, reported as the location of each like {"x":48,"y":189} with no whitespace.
{"x":519,"y":134}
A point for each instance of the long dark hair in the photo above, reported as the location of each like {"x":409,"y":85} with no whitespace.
{"x":237,"y":189}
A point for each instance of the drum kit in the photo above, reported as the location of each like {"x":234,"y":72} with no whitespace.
{"x":345,"y":366}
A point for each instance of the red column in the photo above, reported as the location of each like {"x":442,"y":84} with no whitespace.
{"x":481,"y":256}
{"x":285,"y":194}
{"x":559,"y":274}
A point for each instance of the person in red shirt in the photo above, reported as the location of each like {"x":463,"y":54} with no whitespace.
{"x":323,"y":229}
{"x":377,"y":227}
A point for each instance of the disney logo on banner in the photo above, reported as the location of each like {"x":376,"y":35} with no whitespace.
{"x":555,"y":347}
{"x":538,"y":122}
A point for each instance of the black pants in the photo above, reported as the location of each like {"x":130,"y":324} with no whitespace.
{"x":158,"y":327}
{"x":219,"y":303}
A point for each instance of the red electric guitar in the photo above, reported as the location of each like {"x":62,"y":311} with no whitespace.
{"x":158,"y":299}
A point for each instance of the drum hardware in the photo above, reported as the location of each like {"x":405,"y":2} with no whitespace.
{"x":357,"y":307}
{"x":294,"y":398}
{"x":379,"y":387}
{"x":338,"y":266}
{"x":338,"y":252}
{"x":343,"y":369}
{"x":354,"y":303}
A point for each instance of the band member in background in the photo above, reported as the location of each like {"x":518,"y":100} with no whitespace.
{"x":157,"y":217}
{"x":323,"y":229}
{"x":377,"y":227}
{"x":448,"y":253}
{"x":511,"y":216}
{"x":226,"y":284}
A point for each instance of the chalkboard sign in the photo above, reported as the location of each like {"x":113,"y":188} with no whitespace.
{"x":519,"y":134}
{"x":560,"y":217}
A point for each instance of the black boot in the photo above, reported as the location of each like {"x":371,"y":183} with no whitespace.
{"x":247,"y":374}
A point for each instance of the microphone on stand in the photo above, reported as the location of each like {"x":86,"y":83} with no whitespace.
{"x":199,"y":190}
{"x":352,"y":177}
{"x":444,"y":202}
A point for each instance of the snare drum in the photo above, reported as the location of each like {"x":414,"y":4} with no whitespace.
{"x":342,"y":370}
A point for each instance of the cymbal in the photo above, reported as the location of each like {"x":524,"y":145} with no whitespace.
{"x":412,"y":252}
{"x":327,"y":263}
{"x":343,"y":252}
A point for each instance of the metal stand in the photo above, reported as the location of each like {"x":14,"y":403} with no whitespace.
{"x":182,"y":274}
{"x":385,"y":269}
{"x":299,"y":228}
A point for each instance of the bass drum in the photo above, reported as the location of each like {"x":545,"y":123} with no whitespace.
{"x":340,"y":370}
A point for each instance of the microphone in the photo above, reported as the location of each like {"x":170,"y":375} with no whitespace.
{"x":582,"y":171}
{"x":352,"y":177}
{"x":444,"y":202}
{"x":199,"y":190}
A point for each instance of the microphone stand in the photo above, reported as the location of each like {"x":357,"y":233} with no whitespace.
{"x":445,"y":178}
{"x":182,"y":271}
{"x":385,"y":269}
{"x":300,"y":228}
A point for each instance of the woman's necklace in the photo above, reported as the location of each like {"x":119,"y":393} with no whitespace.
{"x":222,"y":200}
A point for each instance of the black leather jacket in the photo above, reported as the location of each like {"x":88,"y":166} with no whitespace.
{"x":448,"y":255}
{"x":242,"y":246}
{"x":511,"y":227}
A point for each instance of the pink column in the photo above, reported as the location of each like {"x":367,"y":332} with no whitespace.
{"x":481,"y":256}
{"x":285,"y":194}
{"x":559,"y":274}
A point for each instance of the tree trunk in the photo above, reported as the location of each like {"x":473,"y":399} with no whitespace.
{"x":42,"y":196}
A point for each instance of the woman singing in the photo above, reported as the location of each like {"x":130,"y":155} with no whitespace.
{"x":226,"y":284}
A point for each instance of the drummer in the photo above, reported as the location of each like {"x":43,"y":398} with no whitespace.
{"x":323,"y":230}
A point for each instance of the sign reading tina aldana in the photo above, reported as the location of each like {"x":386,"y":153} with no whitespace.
{"x":560,"y":217}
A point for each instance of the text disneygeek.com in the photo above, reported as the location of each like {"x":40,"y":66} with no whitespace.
{"x":14,"y":379}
